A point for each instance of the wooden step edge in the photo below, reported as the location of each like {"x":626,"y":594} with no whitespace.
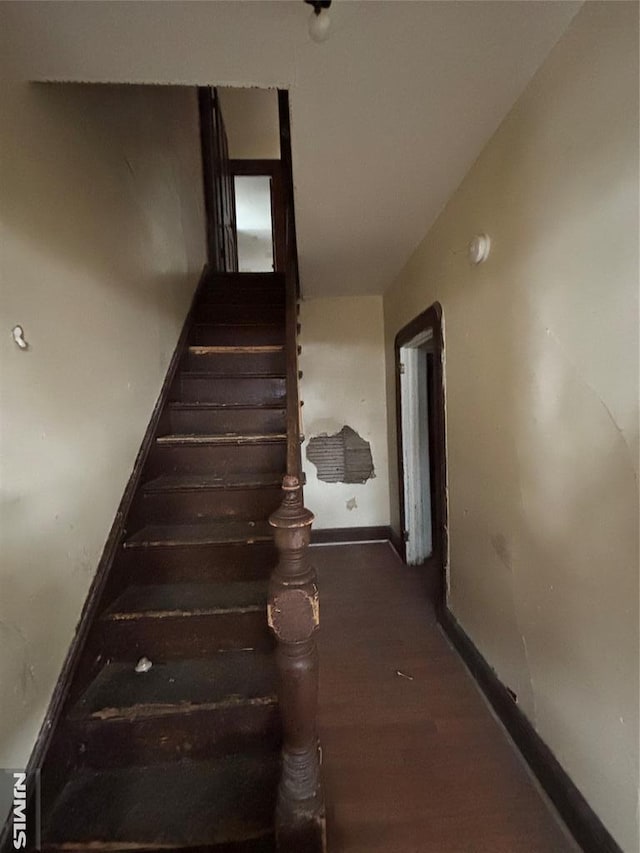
{"x":204,"y":405}
{"x":188,"y":542}
{"x":134,"y":615}
{"x":252,"y":298}
{"x":240,"y":286}
{"x":237,"y":275}
{"x":161,"y":485}
{"x":234,"y":324}
{"x":212,"y":374}
{"x":253,"y":294}
{"x":234,"y":350}
{"x":151,"y":710}
{"x":241,"y":303}
{"x":246,"y":281}
{"x":236,"y":288}
{"x":246,"y":323}
{"x":143,"y":847}
{"x":191,"y":439}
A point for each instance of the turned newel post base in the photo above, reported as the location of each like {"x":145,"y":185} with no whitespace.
{"x":293,"y":616}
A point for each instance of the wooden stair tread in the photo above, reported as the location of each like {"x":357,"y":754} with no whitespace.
{"x":188,"y":599}
{"x":239,"y":300}
{"x":235,"y":324}
{"x":178,"y":805}
{"x":232,"y":350}
{"x":204,"y":533}
{"x":179,"y":404}
{"x":197,"y":482}
{"x":227,"y":680}
{"x":223,"y":438}
{"x":212,"y":375}
{"x":244,"y":277}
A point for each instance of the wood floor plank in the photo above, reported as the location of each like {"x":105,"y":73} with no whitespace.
{"x":413,"y":764}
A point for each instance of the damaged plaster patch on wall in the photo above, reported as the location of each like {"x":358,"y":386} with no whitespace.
{"x":352,"y":504}
{"x":341,"y":458}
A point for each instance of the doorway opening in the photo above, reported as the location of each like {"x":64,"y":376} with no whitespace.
{"x":261,"y":214}
{"x":254,"y":223}
{"x":421,"y":440}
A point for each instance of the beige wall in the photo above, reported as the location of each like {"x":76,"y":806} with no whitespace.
{"x":252,"y":123}
{"x":542,"y":404}
{"x":102,"y":242}
{"x":343,"y":383}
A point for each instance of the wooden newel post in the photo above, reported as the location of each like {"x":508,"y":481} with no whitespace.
{"x":293,"y":617}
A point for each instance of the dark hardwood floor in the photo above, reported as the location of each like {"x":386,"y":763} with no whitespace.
{"x":413,"y":764}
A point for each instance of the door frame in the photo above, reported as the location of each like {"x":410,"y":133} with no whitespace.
{"x":431,"y":319}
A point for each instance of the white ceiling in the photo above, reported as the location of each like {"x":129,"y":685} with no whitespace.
{"x":387,"y":115}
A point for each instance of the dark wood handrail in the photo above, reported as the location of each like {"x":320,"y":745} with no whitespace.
{"x":293,"y":601}
{"x":294,"y":461}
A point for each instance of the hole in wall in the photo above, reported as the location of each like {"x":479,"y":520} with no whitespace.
{"x":341,"y":458}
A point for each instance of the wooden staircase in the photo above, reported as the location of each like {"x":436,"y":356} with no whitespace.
{"x":186,"y":756}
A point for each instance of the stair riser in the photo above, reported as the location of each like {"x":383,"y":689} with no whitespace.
{"x":239,"y":313}
{"x":195,"y":735}
{"x":237,"y":335}
{"x":220,"y":460}
{"x":245,"y":279}
{"x":233,"y":363}
{"x":199,"y":563}
{"x":200,"y":505}
{"x":169,"y":638}
{"x":233,"y":390}
{"x":221,"y":421}
{"x":245,"y":294}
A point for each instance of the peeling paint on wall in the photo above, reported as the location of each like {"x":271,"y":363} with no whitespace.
{"x":341,"y":458}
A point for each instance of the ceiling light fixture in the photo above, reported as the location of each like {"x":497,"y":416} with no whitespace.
{"x":319,"y":23}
